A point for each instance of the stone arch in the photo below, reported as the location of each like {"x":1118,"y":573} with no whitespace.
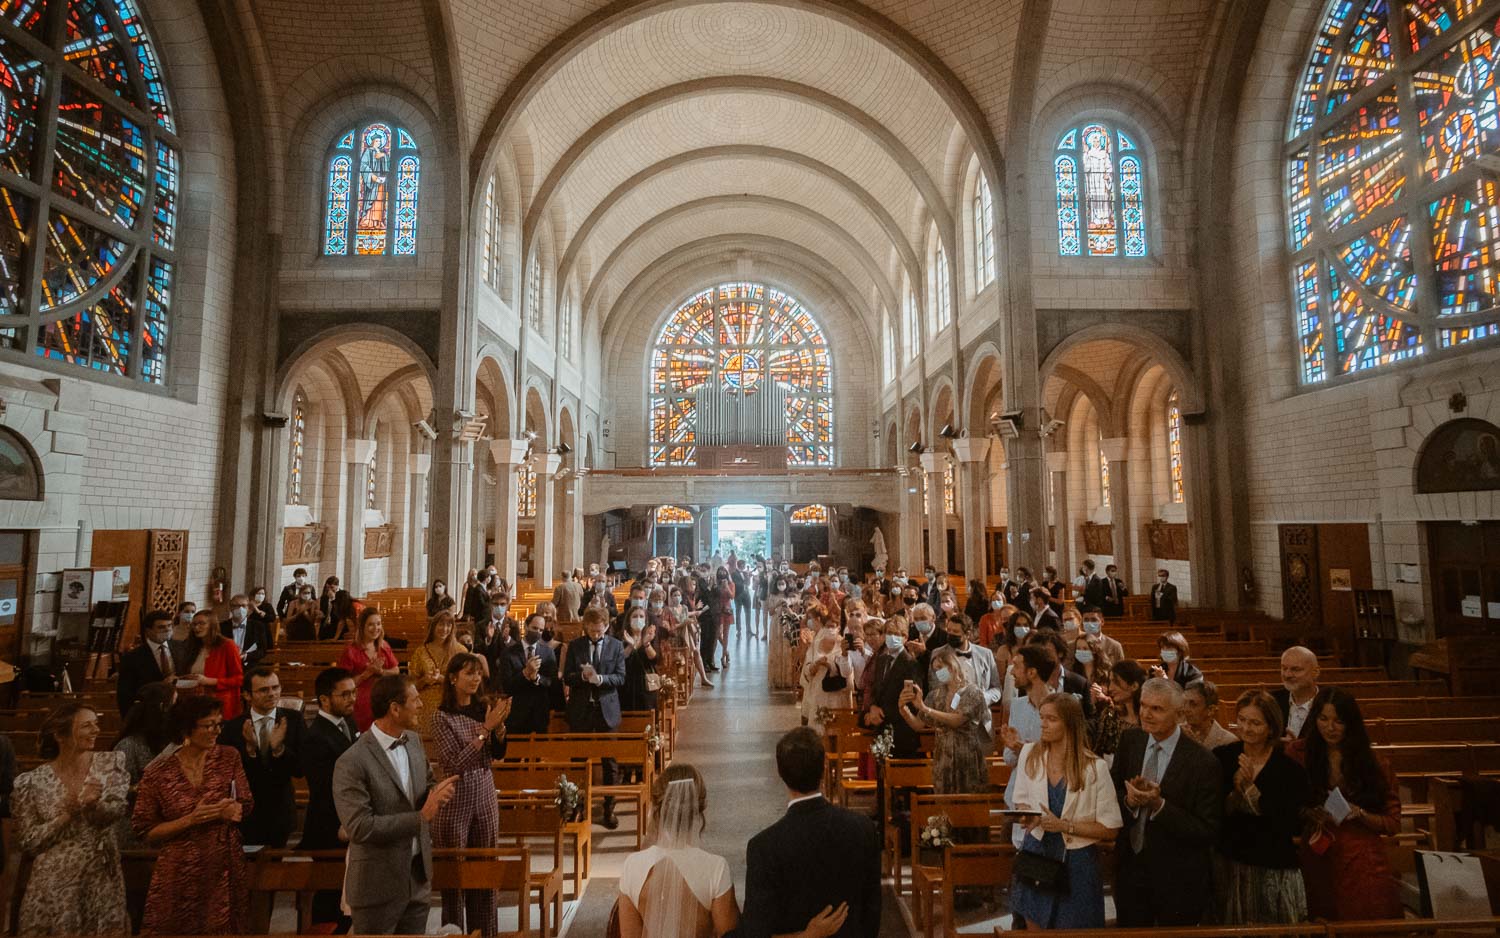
{"x":1462,"y":455}
{"x":984,"y":379}
{"x":331,"y":338}
{"x":494,"y":381}
{"x":1148,"y":342}
{"x":537,"y":419}
{"x":21,"y":474}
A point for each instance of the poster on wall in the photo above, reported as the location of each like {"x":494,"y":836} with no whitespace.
{"x":1340,"y":580}
{"x":1471,"y":607}
{"x":75,"y":590}
{"x":119,"y":585}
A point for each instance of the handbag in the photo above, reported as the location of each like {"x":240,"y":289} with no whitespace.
{"x":835,"y":682}
{"x":653,"y":682}
{"x":1042,"y":873}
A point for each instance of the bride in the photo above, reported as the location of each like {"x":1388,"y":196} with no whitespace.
{"x":674,"y":888}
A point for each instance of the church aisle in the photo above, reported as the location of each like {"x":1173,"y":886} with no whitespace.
{"x":730,"y":734}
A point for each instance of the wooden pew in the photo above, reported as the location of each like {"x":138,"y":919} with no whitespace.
{"x":626,"y":749}
{"x":503,"y":869}
{"x":966,"y":811}
{"x":972,"y":865}
{"x":522,"y":780}
{"x":524,"y":819}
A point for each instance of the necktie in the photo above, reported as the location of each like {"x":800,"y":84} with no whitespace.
{"x":348,"y":733}
{"x":163,"y":661}
{"x":263,"y":736}
{"x":1152,"y":773}
{"x":1112,"y":589}
{"x":594,"y":654}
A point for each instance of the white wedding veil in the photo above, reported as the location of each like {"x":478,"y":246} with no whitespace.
{"x":668,"y":907}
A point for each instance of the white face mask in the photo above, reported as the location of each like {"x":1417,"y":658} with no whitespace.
{"x":240,"y":615}
{"x":923,"y":627}
{"x":941,"y":675}
{"x":895,"y":642}
{"x":997,"y":604}
{"x":1092,"y":626}
{"x":1022,"y":631}
{"x":260,"y":598}
{"x":1169,"y":656}
{"x":186,"y":618}
{"x":1083,"y":656}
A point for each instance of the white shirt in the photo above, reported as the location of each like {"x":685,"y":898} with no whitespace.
{"x":239,"y":636}
{"x":803,"y":798}
{"x":402,"y":762}
{"x":264,"y":723}
{"x":1297,"y":714}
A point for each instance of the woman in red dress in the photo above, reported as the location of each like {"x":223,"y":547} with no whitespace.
{"x":189,"y":805}
{"x":215,"y":663}
{"x":1344,"y":863}
{"x":367,"y":658}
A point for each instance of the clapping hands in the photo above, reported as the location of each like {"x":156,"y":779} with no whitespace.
{"x":1141,"y":793}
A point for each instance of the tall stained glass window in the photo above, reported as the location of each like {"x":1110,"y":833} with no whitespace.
{"x":374,"y":173}
{"x":298,"y":443}
{"x":534,"y":292}
{"x":1101,"y":202}
{"x":950,"y":490}
{"x":526,"y":491}
{"x":88,"y":250}
{"x":1103,"y":477}
{"x":490,"y":259}
{"x":1174,"y":447}
{"x":565,"y":329}
{"x":371,"y":476}
{"x":809,"y":514}
{"x":746,"y":338}
{"x":984,"y":234}
{"x":941,"y":303}
{"x":1393,"y":198}
{"x":673,"y":515}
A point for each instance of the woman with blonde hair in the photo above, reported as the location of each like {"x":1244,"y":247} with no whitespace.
{"x":956,"y":708}
{"x":827,"y":678}
{"x":674,"y":888}
{"x":1058,"y":882}
{"x":428,"y":661}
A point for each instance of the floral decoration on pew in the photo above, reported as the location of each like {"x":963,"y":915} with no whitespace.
{"x":569,"y":799}
{"x":653,"y":738}
{"x":936,"y":833}
{"x":880,"y":748}
{"x":825,"y":716}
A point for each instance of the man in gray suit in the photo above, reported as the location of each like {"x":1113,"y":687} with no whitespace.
{"x":386,"y":801}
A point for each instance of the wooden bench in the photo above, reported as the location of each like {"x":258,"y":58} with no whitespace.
{"x":503,"y":869}
{"x":972,"y":865}
{"x":626,"y":749}
{"x":523,"y":780}
{"x":524,"y":819}
{"x":963,"y":811}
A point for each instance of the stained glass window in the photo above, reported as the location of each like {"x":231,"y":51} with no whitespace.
{"x":950,"y":491}
{"x":298,"y":442}
{"x":1393,"y":204}
{"x":984,"y":234}
{"x":526,"y":491}
{"x":1174,"y":447}
{"x":374,"y":174}
{"x":942,"y":306}
{"x":1103,"y":478}
{"x":565,"y":329}
{"x":810,"y":514}
{"x":534,"y":292}
{"x":1101,"y":202}
{"x":372,"y":471}
{"x":744,"y":338}
{"x":671,"y":514}
{"x":87,"y":253}
{"x":489,"y":260}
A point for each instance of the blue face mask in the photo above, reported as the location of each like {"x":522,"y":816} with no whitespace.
{"x":1022,"y":631}
{"x":923,"y":628}
{"x":1092,"y":626}
{"x":895,"y":642}
{"x":1169,"y":656}
{"x":941,"y":675}
{"x":638,"y":603}
{"x":1083,"y":656}
{"x":997,"y":604}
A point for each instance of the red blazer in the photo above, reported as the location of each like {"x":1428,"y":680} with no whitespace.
{"x":223,"y":662}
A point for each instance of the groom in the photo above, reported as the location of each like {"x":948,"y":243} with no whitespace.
{"x":819,"y":866}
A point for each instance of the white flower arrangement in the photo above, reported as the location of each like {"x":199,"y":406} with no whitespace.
{"x":569,"y":799}
{"x":881,"y":746}
{"x":937,"y":832}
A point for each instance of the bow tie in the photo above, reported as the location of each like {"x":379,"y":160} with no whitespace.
{"x":399,"y":741}
{"x":965,"y":654}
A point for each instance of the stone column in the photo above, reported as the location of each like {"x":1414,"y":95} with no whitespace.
{"x":545,"y":465}
{"x":357,"y":455}
{"x":911,"y":521}
{"x":570,"y":539}
{"x":936,"y":465}
{"x":1057,"y":473}
{"x":973,"y":479}
{"x":509,"y":455}
{"x":416,"y":499}
{"x":1115,"y":450}
{"x":1025,"y":490}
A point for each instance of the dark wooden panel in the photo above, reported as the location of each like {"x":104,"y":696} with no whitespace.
{"x":1099,"y":540}
{"x":1301,"y":599}
{"x":1343,"y":560}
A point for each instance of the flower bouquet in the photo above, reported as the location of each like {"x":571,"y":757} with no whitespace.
{"x":653,"y":738}
{"x":936,"y":834}
{"x":881,"y":746}
{"x":569,"y":799}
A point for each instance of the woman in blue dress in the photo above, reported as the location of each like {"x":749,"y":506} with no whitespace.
{"x":1074,"y":798}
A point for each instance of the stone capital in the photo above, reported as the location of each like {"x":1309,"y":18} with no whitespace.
{"x":508,"y":452}
{"x":358,"y":452}
{"x":971,"y":449}
{"x":1115,"y":448}
{"x":934,"y":462}
{"x":546,"y":463}
{"x":421,"y":464}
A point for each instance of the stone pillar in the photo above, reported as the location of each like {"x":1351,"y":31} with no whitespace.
{"x":416,"y":499}
{"x":973,"y":480}
{"x":509,"y":455}
{"x":545,"y":465}
{"x":570,"y":539}
{"x":1025,"y":491}
{"x":911,"y":520}
{"x":1115,"y":450}
{"x":936,"y":465}
{"x":1057,"y":474}
{"x":357,"y":455}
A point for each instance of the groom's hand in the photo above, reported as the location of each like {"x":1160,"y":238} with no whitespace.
{"x":827,"y":922}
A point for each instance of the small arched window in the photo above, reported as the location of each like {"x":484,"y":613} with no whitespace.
{"x":374,"y":173}
{"x":1174,"y":447}
{"x":491,"y":260}
{"x":526,"y":491}
{"x":809,"y":514}
{"x":370,"y":479}
{"x":950,"y":490}
{"x":534,"y":291}
{"x":984,"y":234}
{"x":298,"y":443}
{"x":942,"y":307}
{"x":20,"y":473}
{"x":1103,"y":476}
{"x":673,"y":515}
{"x":1101,"y":202}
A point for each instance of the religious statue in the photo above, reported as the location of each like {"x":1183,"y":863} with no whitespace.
{"x":878,"y":540}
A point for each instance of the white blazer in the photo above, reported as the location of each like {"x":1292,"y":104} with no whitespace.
{"x":1095,"y":802}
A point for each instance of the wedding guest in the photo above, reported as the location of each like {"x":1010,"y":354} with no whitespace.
{"x":368,"y":657}
{"x":956,"y":708}
{"x":146,"y":734}
{"x":1257,"y":879}
{"x":1173,"y":650}
{"x":1125,"y":681}
{"x":826,"y":677}
{"x":214,"y":663}
{"x":430,"y":660}
{"x":438,"y":599}
{"x":189,"y":806}
{"x":65,"y":812}
{"x":1200,"y":707}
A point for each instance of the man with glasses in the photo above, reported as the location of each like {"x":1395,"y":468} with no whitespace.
{"x":268,"y":738}
{"x":330,"y":733}
{"x":249,"y":635}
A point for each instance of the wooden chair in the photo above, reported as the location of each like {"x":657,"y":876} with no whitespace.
{"x":538,"y":819}
{"x":966,"y":811}
{"x":911,"y":774}
{"x":624,"y":748}
{"x":300,"y":872}
{"x":534,"y":780}
{"x":967,"y":865}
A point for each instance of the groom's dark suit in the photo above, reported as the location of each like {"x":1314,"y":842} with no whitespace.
{"x":817,"y":855}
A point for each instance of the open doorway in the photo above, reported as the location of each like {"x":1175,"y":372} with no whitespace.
{"x":744,"y":530}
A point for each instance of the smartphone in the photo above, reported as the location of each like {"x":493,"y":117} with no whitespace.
{"x":848,"y":642}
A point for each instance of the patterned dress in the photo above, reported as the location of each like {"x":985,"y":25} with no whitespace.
{"x":76,"y":887}
{"x":471,"y":818}
{"x":958,"y":754}
{"x":201,"y":884}
{"x":422,"y":664}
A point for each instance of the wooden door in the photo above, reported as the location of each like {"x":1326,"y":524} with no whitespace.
{"x":1301,"y":599}
{"x":15,"y":578}
{"x":1343,"y":567}
{"x":1465,"y":564}
{"x":995,"y":554}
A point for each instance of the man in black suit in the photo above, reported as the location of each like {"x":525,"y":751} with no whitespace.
{"x":249,"y":634}
{"x":269,"y":741}
{"x":894,"y":666}
{"x":1042,"y":614}
{"x":1062,"y":679}
{"x":1299,"y":689}
{"x":290,"y":592}
{"x":594,"y":674}
{"x":1113,"y":602}
{"x":818,"y":868}
{"x":148,"y":662}
{"x":1163,"y":599}
{"x":329,"y":734}
{"x":530,"y":675}
{"x":1093,"y":585}
{"x":1170,"y":795}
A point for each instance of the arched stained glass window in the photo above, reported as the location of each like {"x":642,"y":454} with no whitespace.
{"x":1393,"y":199}
{"x":370,"y":208}
{"x":941,"y":304}
{"x":1103,"y":477}
{"x":1101,"y":203}
{"x":810,"y":514}
{"x":489,"y":259}
{"x":1174,"y":447}
{"x":104,"y":218}
{"x":741,"y":338}
{"x":298,"y":442}
{"x":371,"y":477}
{"x":950,"y":490}
{"x":673,"y":515}
{"x":526,"y":491}
{"x":983,"y":209}
{"x":534,"y":291}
